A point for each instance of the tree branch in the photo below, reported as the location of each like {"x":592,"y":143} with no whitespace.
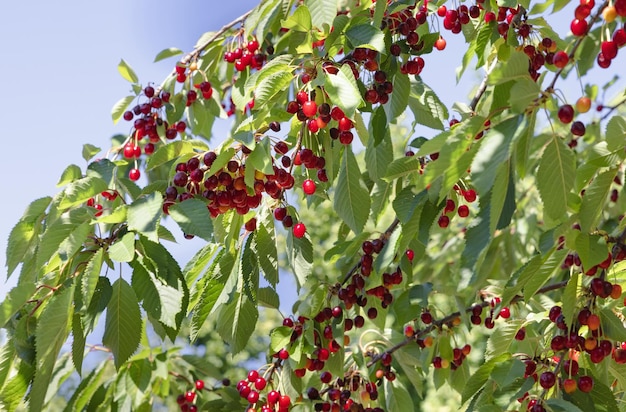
{"x":448,"y":319}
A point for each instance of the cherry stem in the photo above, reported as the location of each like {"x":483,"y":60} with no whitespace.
{"x":611,"y":109}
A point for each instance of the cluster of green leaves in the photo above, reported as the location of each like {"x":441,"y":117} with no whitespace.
{"x":77,"y":265}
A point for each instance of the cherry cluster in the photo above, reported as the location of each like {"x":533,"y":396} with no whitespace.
{"x":318,"y":117}
{"x":247,"y":55}
{"x":187,"y":401}
{"x":148,"y":123}
{"x":454,"y":19}
{"x":468,"y":195}
{"x":107,"y":195}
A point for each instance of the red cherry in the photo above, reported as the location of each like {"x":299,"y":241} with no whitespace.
{"x":463,"y":211}
{"x":566,"y":113}
{"x":253,"y":397}
{"x":299,"y":229}
{"x":284,"y":402}
{"x":253,"y":45}
{"x":199,"y":384}
{"x":302,"y":97}
{"x":560,"y":59}
{"x":134,"y":174}
{"x":308,"y":186}
{"x":309,"y":108}
{"x":609,"y":49}
{"x":469,"y":195}
{"x":440,"y":43}
{"x":444,"y":221}
{"x":569,"y":385}
{"x":190,"y":396}
{"x":345,"y":124}
{"x":129,"y":151}
{"x":313,"y":125}
{"x":547,"y":380}
{"x":619,"y":37}
{"x":410,"y":254}
{"x":579,"y":27}
{"x":585,"y":384}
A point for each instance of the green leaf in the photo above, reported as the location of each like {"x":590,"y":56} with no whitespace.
{"x":267,"y":297}
{"x":557,"y":404}
{"x":193,"y":218}
{"x":397,"y":397}
{"x":300,"y":258}
{"x":264,"y":243}
{"x":81,"y":190}
{"x":236,"y":321}
{"x":14,"y":300}
{"x":323,"y":12}
{"x":124,"y":249}
{"x":75,"y":241}
{"x":570,"y":299}
{"x":89,"y":151}
{"x":280,"y":337}
{"x":120,"y":107}
{"x":168,"y":152}
{"x":36,"y":209}
{"x":507,"y":372}
{"x":494,"y":150}
{"x":127,"y":72}
{"x":166,"y":53}
{"x":616,"y":133}
{"x":523,"y":92}
{"x":378,"y":157}
{"x":426,"y":106}
{"x":592,"y":249}
{"x":53,"y":328}
{"x":90,"y":277}
{"x":78,"y":343}
{"x":480,"y":377}
{"x":51,"y":239}
{"x":551,"y":267}
{"x":18,"y":244}
{"x":501,"y":339}
{"x":261,"y":159}
{"x":342,"y":89}
{"x":368,"y":36}
{"x":594,"y":200}
{"x":218,"y":275}
{"x":400,"y":97}
{"x":144,"y":215}
{"x":299,"y":21}
{"x":70,"y":174}
{"x":515,"y":68}
{"x":272,"y":85}
{"x":351,"y":197}
{"x":612,"y":326}
{"x":555,"y":178}
{"x":122,"y":330}
{"x":379,"y":127}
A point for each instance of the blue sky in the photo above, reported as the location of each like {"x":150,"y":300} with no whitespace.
{"x":60,"y":81}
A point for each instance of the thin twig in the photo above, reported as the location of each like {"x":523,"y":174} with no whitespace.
{"x":447,"y":319}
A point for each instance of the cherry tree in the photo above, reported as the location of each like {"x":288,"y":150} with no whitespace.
{"x":477,"y":268}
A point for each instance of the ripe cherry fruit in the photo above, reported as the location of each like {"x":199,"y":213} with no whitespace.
{"x":309,"y":108}
{"x":440,"y":44}
{"x":299,"y":229}
{"x":134,"y":174}
{"x":308,"y":186}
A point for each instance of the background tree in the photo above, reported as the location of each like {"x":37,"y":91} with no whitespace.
{"x":486,"y":258}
